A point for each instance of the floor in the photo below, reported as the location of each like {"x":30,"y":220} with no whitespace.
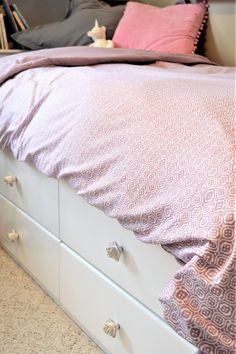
{"x":30,"y":322}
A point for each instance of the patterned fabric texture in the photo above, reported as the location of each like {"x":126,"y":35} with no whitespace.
{"x":154,"y":147}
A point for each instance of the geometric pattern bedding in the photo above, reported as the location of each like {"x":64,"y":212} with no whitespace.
{"x":207,"y":318}
{"x":151,"y":145}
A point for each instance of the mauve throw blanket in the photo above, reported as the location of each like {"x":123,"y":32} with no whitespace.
{"x":151,"y":145}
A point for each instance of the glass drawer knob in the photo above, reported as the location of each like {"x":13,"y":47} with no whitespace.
{"x":13,"y":236}
{"x":10,"y":180}
{"x":110,"y":328}
{"x":114,"y":251}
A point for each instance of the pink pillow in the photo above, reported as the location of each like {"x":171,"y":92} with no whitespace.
{"x":172,"y":29}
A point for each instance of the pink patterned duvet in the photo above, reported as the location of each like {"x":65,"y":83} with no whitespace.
{"x":152,"y":146}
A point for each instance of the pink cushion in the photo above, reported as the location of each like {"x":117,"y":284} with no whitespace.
{"x":172,"y":29}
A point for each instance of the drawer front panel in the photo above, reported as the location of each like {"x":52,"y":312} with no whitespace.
{"x":93,"y":299}
{"x":143,"y":270}
{"x":35,"y":248}
{"x":33,"y":192}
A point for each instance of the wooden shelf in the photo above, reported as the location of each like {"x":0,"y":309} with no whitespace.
{"x":10,"y":51}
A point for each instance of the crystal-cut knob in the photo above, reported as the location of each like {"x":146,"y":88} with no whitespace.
{"x":114,"y":251}
{"x":110,"y":328}
{"x":13,"y":236}
{"x":10,"y":180}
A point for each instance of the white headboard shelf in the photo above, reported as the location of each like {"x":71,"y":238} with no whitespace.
{"x":221,"y":41}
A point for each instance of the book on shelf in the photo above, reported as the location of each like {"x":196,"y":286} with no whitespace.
{"x":19,"y":13}
{"x":18,"y":20}
{"x":3,"y":32}
{"x":11,"y":21}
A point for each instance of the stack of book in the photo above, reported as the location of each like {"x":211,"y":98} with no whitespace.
{"x":11,"y":21}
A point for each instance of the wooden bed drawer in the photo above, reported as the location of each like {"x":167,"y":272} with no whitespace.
{"x":143,"y":270}
{"x":92,"y":299}
{"x":33,"y":192}
{"x":34,"y":247}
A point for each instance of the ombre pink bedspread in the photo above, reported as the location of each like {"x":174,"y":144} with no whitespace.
{"x":152,"y":146}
